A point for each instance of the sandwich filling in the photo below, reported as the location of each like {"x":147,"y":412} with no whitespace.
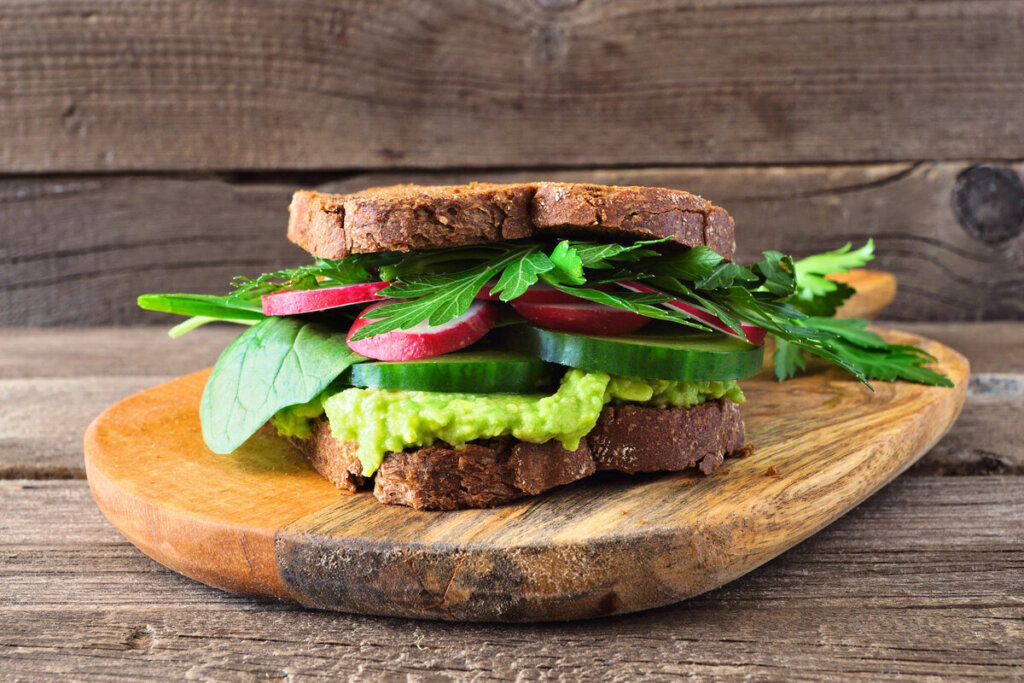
{"x":382,"y":421}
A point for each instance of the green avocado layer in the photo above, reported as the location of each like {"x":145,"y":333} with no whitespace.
{"x":381,"y":420}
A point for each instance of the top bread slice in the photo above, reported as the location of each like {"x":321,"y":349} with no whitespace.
{"x":407,"y":217}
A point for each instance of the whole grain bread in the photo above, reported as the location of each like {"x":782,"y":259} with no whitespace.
{"x":406,"y":217}
{"x":485,"y":473}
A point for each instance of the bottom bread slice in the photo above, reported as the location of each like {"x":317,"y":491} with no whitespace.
{"x":628,"y":438}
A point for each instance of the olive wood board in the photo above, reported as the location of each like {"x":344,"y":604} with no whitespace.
{"x":875,"y":290}
{"x":261,"y":521}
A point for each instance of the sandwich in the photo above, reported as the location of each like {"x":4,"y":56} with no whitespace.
{"x":463,"y":346}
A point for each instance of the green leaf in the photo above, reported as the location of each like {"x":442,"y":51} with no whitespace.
{"x":568,"y":264}
{"x":521,"y":274}
{"x":725,"y":275}
{"x":823,"y":305}
{"x":692,"y":265}
{"x":205,"y":305}
{"x":788,"y":358}
{"x":779,"y":273}
{"x":599,"y":256}
{"x":276,"y":363}
{"x":839,"y":261}
{"x":851,"y":329}
{"x":817,"y":295}
{"x":676,"y":286}
{"x":891,"y":362}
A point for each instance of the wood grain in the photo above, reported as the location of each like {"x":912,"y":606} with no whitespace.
{"x":405,"y":83}
{"x":97,"y":243}
{"x":922,"y":581}
{"x":261,"y":521}
{"x":874,"y":291}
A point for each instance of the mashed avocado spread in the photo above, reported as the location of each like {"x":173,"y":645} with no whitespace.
{"x":381,"y":421}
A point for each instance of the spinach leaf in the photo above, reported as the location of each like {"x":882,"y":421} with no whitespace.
{"x":276,"y":363}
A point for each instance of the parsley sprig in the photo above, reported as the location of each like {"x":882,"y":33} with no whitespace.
{"x":792,"y":300}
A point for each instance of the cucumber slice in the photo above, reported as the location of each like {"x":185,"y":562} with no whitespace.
{"x":477,"y":372}
{"x":687,"y":357}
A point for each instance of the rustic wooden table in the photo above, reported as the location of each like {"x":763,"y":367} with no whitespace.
{"x":924,"y":579}
{"x":154,"y":147}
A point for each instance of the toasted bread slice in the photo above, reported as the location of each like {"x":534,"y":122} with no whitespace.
{"x":485,"y":473}
{"x":407,"y":217}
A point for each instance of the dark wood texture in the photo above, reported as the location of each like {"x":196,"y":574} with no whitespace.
{"x":922,"y":582}
{"x":79,"y":250}
{"x":261,"y":521}
{"x":404,"y":83}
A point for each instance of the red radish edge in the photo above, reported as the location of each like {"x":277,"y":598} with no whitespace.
{"x":582,"y":317}
{"x":296,"y":301}
{"x":424,"y":340}
{"x":751,"y":333}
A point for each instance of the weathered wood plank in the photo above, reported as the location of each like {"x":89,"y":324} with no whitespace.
{"x":54,"y":381}
{"x":403,"y":83}
{"x":921,"y":580}
{"x":992,"y":347}
{"x":96,"y":243}
{"x":73,"y":352}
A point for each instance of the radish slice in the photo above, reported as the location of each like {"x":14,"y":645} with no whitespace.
{"x":540,"y":293}
{"x":424,"y":340}
{"x":751,"y":333}
{"x":294,"y":302}
{"x":582,"y":317}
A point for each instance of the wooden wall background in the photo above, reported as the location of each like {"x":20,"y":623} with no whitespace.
{"x":152,"y":145}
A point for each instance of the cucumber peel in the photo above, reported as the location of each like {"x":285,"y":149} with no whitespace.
{"x":479,"y":372}
{"x":686,"y":357}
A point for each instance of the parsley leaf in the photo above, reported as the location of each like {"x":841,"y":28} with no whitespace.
{"x":521,"y":274}
{"x":816,"y":295}
{"x":568,"y":264}
{"x":788,"y":358}
{"x":599,"y":256}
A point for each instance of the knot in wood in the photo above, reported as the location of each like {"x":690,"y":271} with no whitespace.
{"x":989,"y":202}
{"x":550,"y":45}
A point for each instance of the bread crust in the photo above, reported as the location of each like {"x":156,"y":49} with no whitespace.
{"x":407,"y":217}
{"x":486,"y":473}
{"x":633,"y":438}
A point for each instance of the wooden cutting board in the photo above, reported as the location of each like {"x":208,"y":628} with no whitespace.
{"x":261,"y":521}
{"x":874,"y":291}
